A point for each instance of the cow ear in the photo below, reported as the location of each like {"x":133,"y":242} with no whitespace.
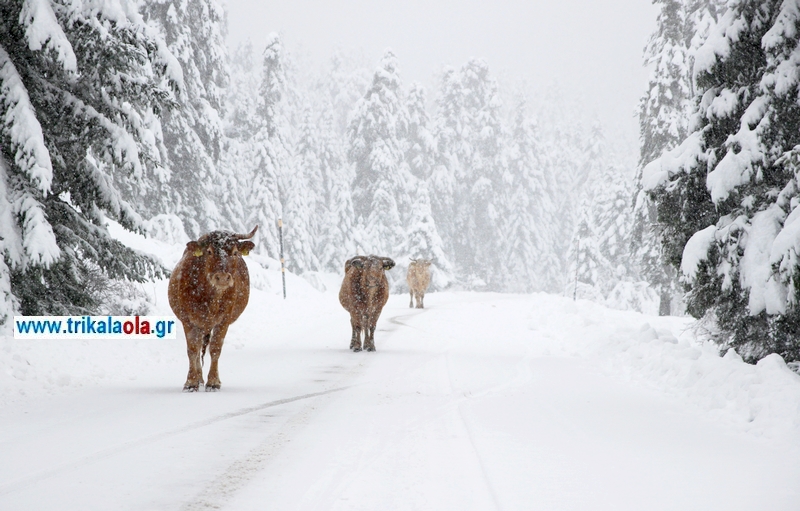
{"x":195,"y":248}
{"x":245,"y":247}
{"x":388,"y":264}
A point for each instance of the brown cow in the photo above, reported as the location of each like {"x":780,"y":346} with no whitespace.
{"x":418,"y":278}
{"x":208,"y":290}
{"x":364,"y":292}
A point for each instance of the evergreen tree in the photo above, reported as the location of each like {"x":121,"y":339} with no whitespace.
{"x":529,"y":261}
{"x":235,"y":171}
{"x":665,"y":108}
{"x":422,"y":240}
{"x":593,"y":269}
{"x":195,"y":34}
{"x":81,"y":86}
{"x":269,"y":148}
{"x":589,"y":182}
{"x":446,"y":158}
{"x":380,"y":198}
{"x":336,"y":242}
{"x":304,"y":201}
{"x":612,"y":216}
{"x":728,"y":192}
{"x":603,"y":230}
{"x":420,"y":144}
{"x":241,"y":108}
{"x":664,"y":113}
{"x":563,"y":153}
{"x":343,"y":86}
{"x":471,"y":143}
{"x":335,"y":95}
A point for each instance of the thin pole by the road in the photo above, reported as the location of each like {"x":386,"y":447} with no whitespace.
{"x":283,"y":269}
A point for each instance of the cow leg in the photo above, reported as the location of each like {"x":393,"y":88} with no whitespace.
{"x":215,"y":349}
{"x":420,"y":298}
{"x":369,"y":335}
{"x":355,"y":339}
{"x":411,"y":301}
{"x":194,"y":348}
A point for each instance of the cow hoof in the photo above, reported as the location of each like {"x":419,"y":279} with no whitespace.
{"x":370,"y":348}
{"x":191,"y":388}
{"x":213,"y":388}
{"x":356,"y":349}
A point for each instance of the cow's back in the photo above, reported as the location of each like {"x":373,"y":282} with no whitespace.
{"x":354,"y":294}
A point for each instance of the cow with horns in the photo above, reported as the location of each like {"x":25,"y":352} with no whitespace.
{"x":208,"y":290}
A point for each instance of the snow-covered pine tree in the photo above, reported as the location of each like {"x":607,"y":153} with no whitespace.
{"x":529,"y":262}
{"x":269,"y":148}
{"x":380,"y":199}
{"x":420,"y":145}
{"x":336,"y":241}
{"x":241,"y":117}
{"x":234,"y":180}
{"x":80,"y":89}
{"x":664,"y":113}
{"x":193,"y":134}
{"x":304,"y":200}
{"x":563,"y":144}
{"x":612,"y":216}
{"x":478,"y":177}
{"x":728,"y":193}
{"x":348,"y":78}
{"x":593,"y":269}
{"x":446,"y":165}
{"x":422,"y":240}
{"x":587,"y":184}
{"x":665,"y":108}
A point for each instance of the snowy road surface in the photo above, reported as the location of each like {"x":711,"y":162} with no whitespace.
{"x":479,"y":402}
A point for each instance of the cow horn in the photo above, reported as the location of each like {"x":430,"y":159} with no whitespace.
{"x":246,"y":236}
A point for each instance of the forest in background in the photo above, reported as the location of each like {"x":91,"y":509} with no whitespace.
{"x":137,"y":112}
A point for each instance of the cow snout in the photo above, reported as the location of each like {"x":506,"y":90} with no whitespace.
{"x":222,"y":280}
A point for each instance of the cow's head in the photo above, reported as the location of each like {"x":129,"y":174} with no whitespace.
{"x":216,"y":251}
{"x":372,"y":268}
{"x":421,"y":262}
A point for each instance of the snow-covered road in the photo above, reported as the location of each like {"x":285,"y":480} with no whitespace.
{"x":478,"y":402}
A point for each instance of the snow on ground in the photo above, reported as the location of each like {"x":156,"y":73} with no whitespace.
{"x":480,"y":401}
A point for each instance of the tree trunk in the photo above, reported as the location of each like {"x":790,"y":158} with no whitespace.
{"x":664,"y":308}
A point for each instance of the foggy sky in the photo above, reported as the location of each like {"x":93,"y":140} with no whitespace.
{"x":591,"y":48}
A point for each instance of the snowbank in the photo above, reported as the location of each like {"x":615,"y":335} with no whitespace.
{"x":666,"y":353}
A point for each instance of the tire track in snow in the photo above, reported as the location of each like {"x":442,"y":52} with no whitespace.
{"x":521,"y":375}
{"x":225,"y":486}
{"x":369,"y":457}
{"x":395,"y":320}
{"x":456,"y":403}
{"x":459,"y":403}
{"x":111,"y":451}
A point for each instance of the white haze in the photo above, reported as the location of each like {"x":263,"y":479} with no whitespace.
{"x":591,"y":50}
